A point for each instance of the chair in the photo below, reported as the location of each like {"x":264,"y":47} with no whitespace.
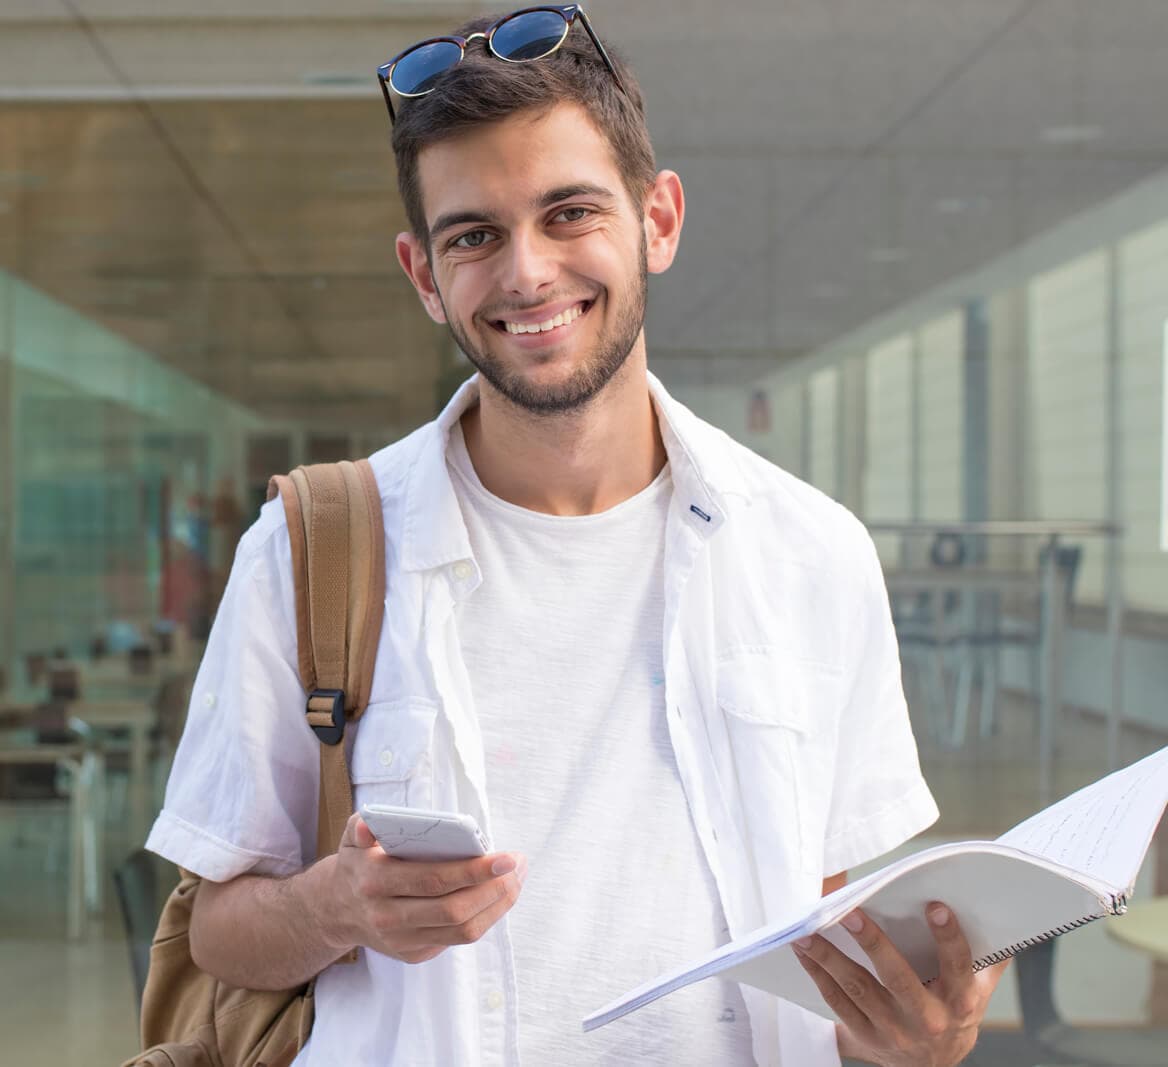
{"x":932,"y":629}
{"x":142,"y":881}
{"x":171,"y":702}
{"x":163,"y":633}
{"x":35,"y":664}
{"x":1030,"y":636}
{"x":48,"y":725}
{"x":140,"y":659}
{"x":967,"y":630}
{"x":64,"y":681}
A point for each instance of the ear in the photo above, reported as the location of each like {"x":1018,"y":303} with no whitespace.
{"x":664,"y":214}
{"x":411,"y":254}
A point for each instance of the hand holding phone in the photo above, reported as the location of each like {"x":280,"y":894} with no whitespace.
{"x":416,"y":834}
{"x":414,"y":910}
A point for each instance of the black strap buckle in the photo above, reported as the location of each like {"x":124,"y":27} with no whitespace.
{"x":329,"y":735}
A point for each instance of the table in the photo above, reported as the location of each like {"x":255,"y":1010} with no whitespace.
{"x":86,"y":765}
{"x":1049,"y":586}
{"x":967,"y":630}
{"x":87,"y":718}
{"x":106,"y":686}
{"x":1144,"y":927}
{"x":116,"y":670}
{"x":17,"y":712}
{"x":109,"y":678}
{"x":138,"y":718}
{"x":939,"y":580}
{"x":1054,"y":603}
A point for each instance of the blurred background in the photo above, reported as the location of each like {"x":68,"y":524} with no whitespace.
{"x":924,"y":268}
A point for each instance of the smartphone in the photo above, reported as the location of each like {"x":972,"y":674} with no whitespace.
{"x":415,"y":834}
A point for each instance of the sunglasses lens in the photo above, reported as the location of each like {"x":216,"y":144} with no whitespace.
{"x":531,"y":35}
{"x":417,"y":71}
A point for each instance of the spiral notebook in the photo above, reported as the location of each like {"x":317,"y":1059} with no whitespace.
{"x":1070,"y":864}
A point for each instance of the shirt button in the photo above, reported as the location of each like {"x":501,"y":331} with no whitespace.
{"x":385,"y":757}
{"x":463,"y":570}
{"x":494,"y":1000}
{"x":209,"y":700}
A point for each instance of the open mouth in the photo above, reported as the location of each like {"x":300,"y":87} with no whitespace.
{"x":561,"y":321}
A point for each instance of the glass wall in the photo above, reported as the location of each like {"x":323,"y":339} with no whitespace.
{"x":1060,"y":371}
{"x":124,"y":504}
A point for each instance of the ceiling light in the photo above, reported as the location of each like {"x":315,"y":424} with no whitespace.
{"x":951,"y":205}
{"x":887,"y":255}
{"x":1073,"y":134}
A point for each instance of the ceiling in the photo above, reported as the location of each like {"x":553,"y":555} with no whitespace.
{"x":219,"y":188}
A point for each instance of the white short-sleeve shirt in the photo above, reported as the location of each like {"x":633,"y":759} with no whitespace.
{"x":783,"y":703}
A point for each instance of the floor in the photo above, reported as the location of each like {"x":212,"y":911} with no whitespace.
{"x":61,"y":1002}
{"x":64,"y":1003}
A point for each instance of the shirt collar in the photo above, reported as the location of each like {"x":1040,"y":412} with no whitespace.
{"x":435,"y":534}
{"x":702,"y":460}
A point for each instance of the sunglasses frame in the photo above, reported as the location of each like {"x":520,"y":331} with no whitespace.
{"x":568,"y":12}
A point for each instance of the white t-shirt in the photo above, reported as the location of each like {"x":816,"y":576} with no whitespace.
{"x":563,"y":647}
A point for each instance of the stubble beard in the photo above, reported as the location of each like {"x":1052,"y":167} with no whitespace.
{"x":597,"y":370}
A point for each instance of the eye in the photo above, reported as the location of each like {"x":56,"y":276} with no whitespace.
{"x":573,"y":214}
{"x":472,"y":239}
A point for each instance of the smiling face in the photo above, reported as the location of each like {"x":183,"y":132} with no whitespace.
{"x":538,"y":256}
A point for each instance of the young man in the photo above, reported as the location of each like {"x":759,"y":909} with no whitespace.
{"x":654,"y":667}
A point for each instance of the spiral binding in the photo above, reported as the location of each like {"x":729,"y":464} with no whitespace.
{"x":1118,"y":907}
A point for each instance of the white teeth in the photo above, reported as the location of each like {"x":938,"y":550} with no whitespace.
{"x":562,"y":319}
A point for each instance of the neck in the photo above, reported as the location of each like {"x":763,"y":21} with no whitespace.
{"x":573,"y":463}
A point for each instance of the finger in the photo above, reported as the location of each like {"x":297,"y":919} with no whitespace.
{"x":853,"y":979}
{"x":416,"y":878}
{"x":835,"y":998}
{"x":473,"y":928}
{"x":421,"y":955}
{"x":896,"y":974}
{"x":995,"y":971}
{"x":462,"y":905}
{"x":960,"y":985}
{"x":357,"y":834}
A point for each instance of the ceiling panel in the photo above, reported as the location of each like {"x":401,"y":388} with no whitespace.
{"x":839,"y":157}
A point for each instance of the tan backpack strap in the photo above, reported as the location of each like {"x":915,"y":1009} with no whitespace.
{"x":338,"y":565}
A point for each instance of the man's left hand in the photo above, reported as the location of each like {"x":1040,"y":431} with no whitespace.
{"x":893,"y":1019}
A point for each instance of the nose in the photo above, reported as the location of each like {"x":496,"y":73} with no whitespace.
{"x":530,"y":265}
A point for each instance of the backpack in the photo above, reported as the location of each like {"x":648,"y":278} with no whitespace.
{"x":189,"y":1018}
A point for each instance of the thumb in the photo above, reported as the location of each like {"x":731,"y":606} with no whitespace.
{"x":357,"y":833}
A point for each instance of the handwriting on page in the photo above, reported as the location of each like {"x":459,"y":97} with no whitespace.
{"x":1104,"y":829}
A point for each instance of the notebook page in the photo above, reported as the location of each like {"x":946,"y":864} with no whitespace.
{"x":1104,"y":829}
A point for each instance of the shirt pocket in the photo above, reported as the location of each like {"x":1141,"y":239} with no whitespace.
{"x":392,"y":760}
{"x":780,"y":715}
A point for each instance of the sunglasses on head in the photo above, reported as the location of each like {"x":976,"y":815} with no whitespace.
{"x":523,"y":36}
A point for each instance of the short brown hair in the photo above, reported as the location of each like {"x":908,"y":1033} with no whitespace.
{"x":483,"y":88}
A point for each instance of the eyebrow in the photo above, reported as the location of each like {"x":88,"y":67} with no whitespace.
{"x":568,"y":192}
{"x":544,"y":200}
